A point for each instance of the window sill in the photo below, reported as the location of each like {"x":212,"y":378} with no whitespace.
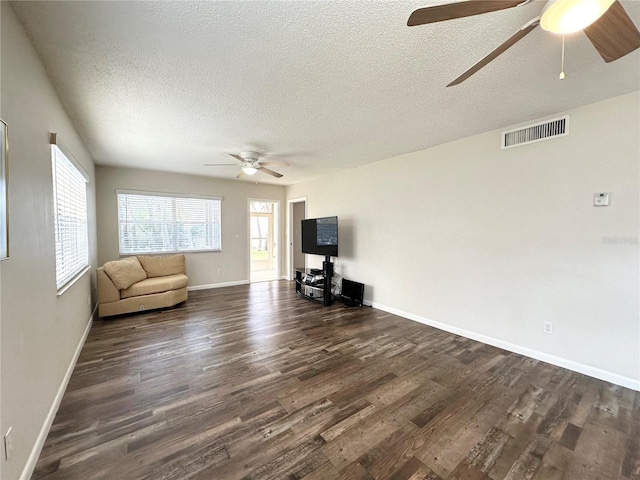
{"x":169,"y":252}
{"x":71,"y":282}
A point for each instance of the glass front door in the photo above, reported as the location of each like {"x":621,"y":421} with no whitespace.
{"x":263,"y":251}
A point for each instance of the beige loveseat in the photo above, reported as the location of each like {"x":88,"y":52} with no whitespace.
{"x":140,"y":283}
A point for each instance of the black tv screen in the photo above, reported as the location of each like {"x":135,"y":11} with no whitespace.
{"x":320,"y":236}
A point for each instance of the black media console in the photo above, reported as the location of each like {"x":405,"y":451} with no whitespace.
{"x":310,"y":284}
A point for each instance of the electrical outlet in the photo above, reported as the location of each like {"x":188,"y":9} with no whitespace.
{"x":89,"y":300}
{"x":219,"y":271}
{"x":8,"y":444}
{"x":547,"y":327}
{"x":141,"y":308}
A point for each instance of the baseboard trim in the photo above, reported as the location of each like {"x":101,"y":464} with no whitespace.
{"x":44,"y":431}
{"x":529,"y":352}
{"x":217,"y":285}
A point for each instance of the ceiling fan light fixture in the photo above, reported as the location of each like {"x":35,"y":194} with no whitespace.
{"x":568,"y":16}
{"x":248,"y":170}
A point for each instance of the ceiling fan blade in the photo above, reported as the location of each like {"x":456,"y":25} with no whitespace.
{"x":237,"y":157}
{"x":241,"y":174}
{"x":614,"y":35}
{"x":269,"y":172}
{"x":450,"y":11}
{"x":280,"y":163}
{"x":515,"y":38}
{"x":220,"y":164}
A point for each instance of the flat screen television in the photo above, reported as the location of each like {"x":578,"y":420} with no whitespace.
{"x":320,"y":236}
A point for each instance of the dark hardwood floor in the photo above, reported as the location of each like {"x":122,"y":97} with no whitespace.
{"x":253,"y":382}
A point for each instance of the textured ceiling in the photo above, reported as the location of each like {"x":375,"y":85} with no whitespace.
{"x":323,"y":85}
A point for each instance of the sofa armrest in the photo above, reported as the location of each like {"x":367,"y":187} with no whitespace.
{"x":107,"y":291}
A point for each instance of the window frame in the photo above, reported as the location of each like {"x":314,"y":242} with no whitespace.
{"x":59,"y":151}
{"x":175,"y":250}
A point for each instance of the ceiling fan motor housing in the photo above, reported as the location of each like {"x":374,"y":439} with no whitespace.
{"x":249,"y":156}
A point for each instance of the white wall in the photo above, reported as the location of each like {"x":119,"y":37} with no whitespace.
{"x":40,"y":330}
{"x":201,"y":267}
{"x":2,"y":431}
{"x":493,"y":242}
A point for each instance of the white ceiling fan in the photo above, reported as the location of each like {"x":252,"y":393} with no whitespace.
{"x":250,"y":163}
{"x":605,"y":23}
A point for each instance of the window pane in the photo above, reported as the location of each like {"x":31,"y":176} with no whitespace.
{"x":70,"y":218}
{"x":160,"y":224}
{"x":261,"y":207}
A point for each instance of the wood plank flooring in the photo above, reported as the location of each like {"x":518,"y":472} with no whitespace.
{"x":252,"y":382}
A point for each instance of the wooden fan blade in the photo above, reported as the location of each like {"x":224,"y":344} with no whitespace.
{"x":237,"y":157}
{"x":450,"y":11}
{"x":613,"y":35}
{"x":241,"y":174}
{"x":515,"y":38}
{"x":280,"y":163}
{"x":220,"y":164}
{"x":269,"y":172}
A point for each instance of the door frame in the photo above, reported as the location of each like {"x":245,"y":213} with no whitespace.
{"x":276,"y":236}
{"x":290,"y":266}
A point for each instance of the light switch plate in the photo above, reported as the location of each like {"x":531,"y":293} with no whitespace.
{"x":601,"y":199}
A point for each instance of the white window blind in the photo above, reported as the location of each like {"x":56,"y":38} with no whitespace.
{"x":161,"y":223}
{"x":71,"y":229}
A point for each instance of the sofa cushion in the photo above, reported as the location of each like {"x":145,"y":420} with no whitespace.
{"x":161,"y":265}
{"x":125,"y":272}
{"x":155,"y":285}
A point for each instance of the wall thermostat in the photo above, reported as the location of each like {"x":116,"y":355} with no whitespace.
{"x":601,"y":199}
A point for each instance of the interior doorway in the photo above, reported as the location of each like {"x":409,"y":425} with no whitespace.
{"x":263,"y":240}
{"x":297,"y":213}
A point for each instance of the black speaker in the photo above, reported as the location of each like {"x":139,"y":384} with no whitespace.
{"x":352,"y":293}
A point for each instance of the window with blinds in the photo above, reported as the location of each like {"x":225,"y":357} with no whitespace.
{"x":71,"y":228}
{"x":163,"y":223}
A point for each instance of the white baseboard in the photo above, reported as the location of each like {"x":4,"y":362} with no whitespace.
{"x":536,"y":354}
{"x":217,"y":285}
{"x":46,"y":426}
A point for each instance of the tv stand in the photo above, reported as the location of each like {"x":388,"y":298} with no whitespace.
{"x":327,"y":268}
{"x":320,"y":290}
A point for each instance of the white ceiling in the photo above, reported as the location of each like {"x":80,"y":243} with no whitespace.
{"x":323,"y":85}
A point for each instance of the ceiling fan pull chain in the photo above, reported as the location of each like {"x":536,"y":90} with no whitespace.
{"x":562,"y":69}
